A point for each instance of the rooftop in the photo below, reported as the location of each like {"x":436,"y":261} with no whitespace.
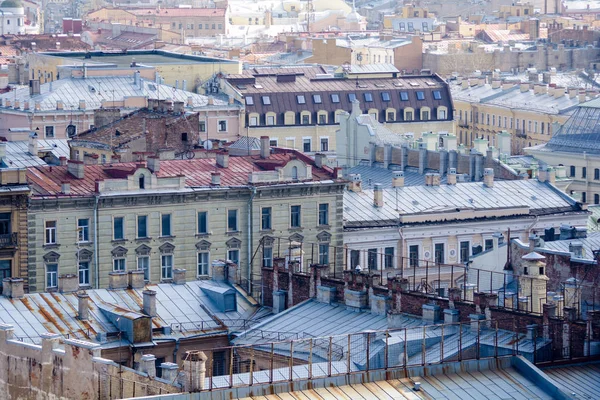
{"x":142,"y":57}
{"x":581,"y":380}
{"x":95,"y":90}
{"x":372,"y":175}
{"x":176,"y":12}
{"x":539,"y":198}
{"x":590,"y":244}
{"x":18,"y":156}
{"x":581,"y":132}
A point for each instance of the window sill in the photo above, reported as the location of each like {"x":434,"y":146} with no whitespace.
{"x":203,"y":235}
{"x":85,"y":287}
{"x":166,"y":280}
{"x":324,"y":227}
{"x":234,"y":233}
{"x":52,"y":289}
{"x":118,"y":241}
{"x":50,"y":246}
{"x":166,"y":237}
{"x":266,"y":231}
{"x":143,"y":239}
{"x":85,"y":244}
{"x":296,"y":229}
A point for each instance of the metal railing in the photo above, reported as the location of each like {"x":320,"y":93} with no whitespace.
{"x":8,"y":240}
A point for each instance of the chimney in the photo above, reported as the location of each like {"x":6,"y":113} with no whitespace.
{"x":488,"y":177}
{"x":26,"y":105}
{"x":581,"y":96}
{"x":33,"y":145}
{"x":559,"y":92}
{"x":82,"y":104}
{"x":149,"y":303}
{"x":194,"y":371}
{"x":265,"y":147}
{"x":117,"y":280}
{"x":451,"y":177}
{"x":190,"y":101}
{"x":13,"y":288}
{"x":65,"y":187}
{"x":223,"y":159}
{"x":211,"y":101}
{"x":432,"y":179}
{"x":320,"y":160}
{"x":179,"y":276}
{"x":355,"y":184}
{"x":215,"y":178}
{"x":17,"y":104}
{"x":496,"y":84}
{"x":377,"y":195}
{"x":148,"y":365}
{"x":573,"y":92}
{"x":184,"y":85}
{"x":576,"y":248}
{"x":398,"y":179}
{"x":153,"y":164}
{"x":136,"y":279}
{"x":59,"y":105}
{"x":355,"y":299}
{"x":83,"y":306}
{"x":507,"y":85}
{"x":524,"y":87}
{"x":76,"y":168}
{"x":178,"y":107}
{"x":62,"y":160}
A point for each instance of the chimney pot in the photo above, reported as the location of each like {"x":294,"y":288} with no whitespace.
{"x":83,"y":306}
{"x":355,"y":183}
{"x":223,"y":159}
{"x":320,"y":160}
{"x":488,"y":177}
{"x":451,"y":176}
{"x":398,"y":179}
{"x":149,"y":302}
{"x":215,"y":178}
{"x":265,"y":148}
{"x":378,"y":195}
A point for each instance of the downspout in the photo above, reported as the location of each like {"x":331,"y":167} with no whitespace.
{"x":96,"y":258}
{"x":250,"y":206}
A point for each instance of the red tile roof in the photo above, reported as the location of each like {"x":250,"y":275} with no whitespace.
{"x":47,"y":180}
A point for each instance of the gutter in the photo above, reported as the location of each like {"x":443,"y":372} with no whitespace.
{"x":96,"y":257}
{"x":250,"y":206}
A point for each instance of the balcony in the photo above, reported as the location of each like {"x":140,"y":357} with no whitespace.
{"x":8,"y":241}
{"x":520,"y":133}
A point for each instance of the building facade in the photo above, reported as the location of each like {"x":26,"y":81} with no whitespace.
{"x":301,"y":108}
{"x":156,"y":216}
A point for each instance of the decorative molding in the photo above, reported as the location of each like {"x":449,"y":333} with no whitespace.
{"x":119,"y":251}
{"x":203,"y":245}
{"x":143,"y":250}
{"x":234,"y":243}
{"x":84,"y":255}
{"x":51,"y":257}
{"x":324,"y":236}
{"x":296,"y":237}
{"x":166,"y":248}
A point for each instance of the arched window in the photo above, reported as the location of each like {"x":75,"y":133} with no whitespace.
{"x":294,"y":172}
{"x":142,"y":181}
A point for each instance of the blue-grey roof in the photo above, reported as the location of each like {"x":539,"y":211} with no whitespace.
{"x":17,"y":152}
{"x":590,"y":244}
{"x":373,"y":175}
{"x":583,"y":380}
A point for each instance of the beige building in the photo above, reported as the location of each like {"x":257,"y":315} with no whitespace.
{"x":528,"y":111}
{"x":158,"y":216}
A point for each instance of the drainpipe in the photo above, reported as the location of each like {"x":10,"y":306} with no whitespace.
{"x":96,"y":258}
{"x":250,"y":239}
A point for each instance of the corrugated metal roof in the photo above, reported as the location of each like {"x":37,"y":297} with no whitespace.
{"x":185,"y":308}
{"x":539,"y":197}
{"x":590,"y":243}
{"x":373,"y":68}
{"x":582,"y":380}
{"x":18,"y":156}
{"x":94,"y":90}
{"x":373,"y":175}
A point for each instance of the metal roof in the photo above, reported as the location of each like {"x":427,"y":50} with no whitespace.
{"x":541,"y":198}
{"x":18,"y":156}
{"x":184,"y":308}
{"x":582,"y":380}
{"x":94,"y":90}
{"x":590,"y":243}
{"x":373,"y":175}
{"x":373,"y":69}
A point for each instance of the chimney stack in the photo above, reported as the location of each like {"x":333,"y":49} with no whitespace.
{"x":83,"y":306}
{"x":573,"y":92}
{"x":378,"y":195}
{"x":398,"y":179}
{"x":76,"y":168}
{"x":488,"y":177}
{"x":559,"y":92}
{"x":149,"y":302}
{"x":65,"y":187}
{"x":223,"y":159}
{"x":215,"y":178}
{"x":355,"y":184}
{"x":33,"y":145}
{"x":320,"y":160}
{"x":451,"y":176}
{"x":62,"y":160}
{"x":153,"y":164}
{"x":265,"y":148}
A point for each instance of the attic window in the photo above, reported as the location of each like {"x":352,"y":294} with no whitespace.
{"x":351,"y":97}
{"x":379,"y":85}
{"x":258,"y":86}
{"x":266,"y":100}
{"x":335,"y":98}
{"x":404,"y":96}
{"x":317,"y":98}
{"x":300,"y":98}
{"x":249,"y":101}
{"x":385,"y":96}
{"x":368,"y":97}
{"x":242,"y":87}
{"x":437,"y":95}
{"x":420,"y":95}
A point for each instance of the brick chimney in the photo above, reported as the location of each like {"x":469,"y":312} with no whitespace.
{"x":488,"y":177}
{"x":76,"y":168}
{"x":355,"y":184}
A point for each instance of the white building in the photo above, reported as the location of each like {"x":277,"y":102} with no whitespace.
{"x":12,"y":18}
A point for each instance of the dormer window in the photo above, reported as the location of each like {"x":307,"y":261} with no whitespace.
{"x":295,"y":173}
{"x":301,"y":99}
{"x":266,"y":100}
{"x":142,"y":181}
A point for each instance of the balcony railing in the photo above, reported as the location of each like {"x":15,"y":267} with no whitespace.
{"x":8,"y":240}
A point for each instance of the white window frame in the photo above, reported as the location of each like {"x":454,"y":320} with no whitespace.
{"x":198,"y":222}
{"x":84,"y":282}
{"x":164,"y":267}
{"x":54,"y":276}
{"x":230,"y":251}
{"x":202,"y":264}
{"x":219,"y":125}
{"x":122,"y":227}
{"x":50,"y":231}
{"x":137,"y":262}
{"x":117,"y":262}
{"x":53,"y":132}
{"x":326,"y":138}
{"x":81,"y":237}
{"x":237,"y":220}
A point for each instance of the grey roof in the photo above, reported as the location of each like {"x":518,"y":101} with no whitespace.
{"x":373,"y":175}
{"x":590,"y":244}
{"x":581,"y":132}
{"x":583,"y":380}
{"x":373,"y":68}
{"x":541,"y":198}
{"x":97,"y":89}
{"x":246,"y":143}
{"x":185,"y":308}
{"x":18,"y":156}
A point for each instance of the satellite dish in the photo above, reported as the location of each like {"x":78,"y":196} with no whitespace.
{"x":207,"y":145}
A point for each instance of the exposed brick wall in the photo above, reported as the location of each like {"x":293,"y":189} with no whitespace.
{"x":267,"y":276}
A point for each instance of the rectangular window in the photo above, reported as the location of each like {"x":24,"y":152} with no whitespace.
{"x":305,"y":119}
{"x":265,"y":218}
{"x":118,"y":228}
{"x":584,"y":172}
{"x":409,"y":116}
{"x":83,"y":230}
{"x":317,"y":98}
{"x":202,"y":222}
{"x":354,"y":258}
{"x":404,"y":96}
{"x":270,"y":120}
{"x":306,"y":145}
{"x":50,"y":232}
{"x":165,"y":225}
{"x":166,"y":266}
{"x":440,"y":256}
{"x":143,"y":264}
{"x":273,"y":143}
{"x":596,"y":174}
{"x":202,"y":126}
{"x":324,"y":214}
{"x":51,"y":276}
{"x":301,"y":99}
{"x":413,"y":256}
{"x":295,"y":216}
{"x":220,"y":26}
{"x":420,"y":95}
{"x":322,"y":119}
{"x":232,"y":220}
{"x":425,"y":115}
{"x":372,"y":259}
{"x":266,"y":100}
{"x":119,"y":264}
{"x":249,"y":100}
{"x":268,"y":257}
{"x":351,"y":97}
{"x":390,"y":116}
{"x":572,"y":171}
{"x":442,"y":114}
{"x":368,"y":97}
{"x":335,"y":98}
{"x":324,"y":253}
{"x":488,"y":244}
{"x":410,"y":27}
{"x":437,"y":95}
{"x":464,"y":251}
{"x":103,"y":158}
{"x":234,"y":256}
{"x":84,"y":273}
{"x":199,"y":26}
{"x":49,"y":131}
{"x":214,"y":26}
{"x":385,"y":96}
{"x":389,"y":257}
{"x":324,"y":144}
{"x":253,"y":121}
{"x":203,"y":264}
{"x":142,"y":226}
{"x":222,"y":125}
